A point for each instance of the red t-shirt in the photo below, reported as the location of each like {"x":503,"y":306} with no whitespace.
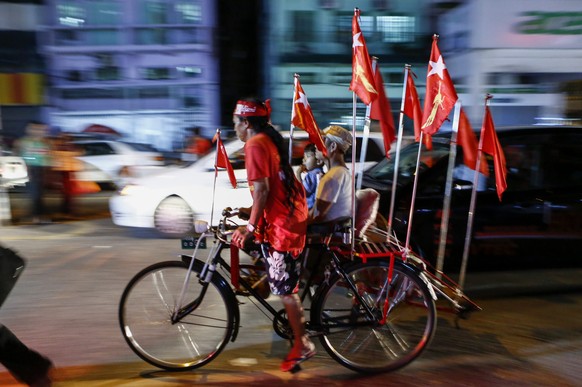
{"x":282,"y":232}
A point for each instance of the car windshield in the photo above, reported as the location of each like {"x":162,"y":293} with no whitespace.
{"x":141,"y":147}
{"x":384,"y":170}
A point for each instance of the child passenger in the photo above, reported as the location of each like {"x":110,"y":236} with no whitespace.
{"x":310,"y":172}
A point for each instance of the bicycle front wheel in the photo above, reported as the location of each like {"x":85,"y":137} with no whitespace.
{"x":383,"y":329}
{"x":147,"y":306}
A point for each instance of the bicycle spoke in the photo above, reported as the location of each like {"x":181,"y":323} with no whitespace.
{"x":146,"y":318}
{"x":356,"y":332}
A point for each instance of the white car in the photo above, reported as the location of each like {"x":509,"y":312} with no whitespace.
{"x":13,"y":171}
{"x":172,"y":200}
{"x":109,"y":161}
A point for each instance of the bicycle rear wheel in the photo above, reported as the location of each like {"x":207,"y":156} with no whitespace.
{"x":145,"y":317}
{"x":363,"y":342}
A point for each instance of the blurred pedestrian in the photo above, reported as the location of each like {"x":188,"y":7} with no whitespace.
{"x":66,"y":164}
{"x":24,"y":363}
{"x":197,"y":145}
{"x":5,"y":211}
{"x":278,"y":216}
{"x":34,"y":148}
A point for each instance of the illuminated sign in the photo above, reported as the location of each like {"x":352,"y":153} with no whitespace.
{"x":552,"y":23}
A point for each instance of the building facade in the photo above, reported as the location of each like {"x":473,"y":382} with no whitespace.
{"x":147,"y":68}
{"x":526,"y":53}
{"x":22,"y":81}
{"x":153,"y":68}
{"x":314,"y":40}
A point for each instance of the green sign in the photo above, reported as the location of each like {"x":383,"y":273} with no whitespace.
{"x":551,"y":23}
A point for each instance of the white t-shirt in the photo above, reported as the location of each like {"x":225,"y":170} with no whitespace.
{"x":336,"y":187}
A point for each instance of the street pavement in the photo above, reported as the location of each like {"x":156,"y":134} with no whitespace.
{"x":65,"y":305}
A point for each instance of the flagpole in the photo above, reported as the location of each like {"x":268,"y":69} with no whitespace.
{"x":414,"y":185}
{"x":215,"y":175}
{"x":354,"y":102}
{"x":365,"y":136}
{"x":448,"y":191}
{"x":470,"y":217}
{"x":398,"y":146}
{"x":295,"y":78}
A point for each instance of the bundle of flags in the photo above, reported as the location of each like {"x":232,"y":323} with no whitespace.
{"x":440,"y":98}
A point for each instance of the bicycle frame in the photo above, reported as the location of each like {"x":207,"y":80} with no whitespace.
{"x":215,"y":260}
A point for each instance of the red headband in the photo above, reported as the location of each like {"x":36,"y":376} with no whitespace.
{"x":252,"y":109}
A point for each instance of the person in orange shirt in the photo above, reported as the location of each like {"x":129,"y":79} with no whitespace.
{"x":278,"y":216}
{"x":197,"y":145}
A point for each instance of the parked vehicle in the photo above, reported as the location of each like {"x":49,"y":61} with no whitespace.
{"x":537,"y":224}
{"x":110,"y":161}
{"x":170,"y":201}
{"x":13,"y":171}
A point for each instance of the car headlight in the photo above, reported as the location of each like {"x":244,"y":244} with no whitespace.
{"x":130,"y":189}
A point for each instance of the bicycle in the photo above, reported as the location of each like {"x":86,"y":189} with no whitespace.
{"x":371,"y":315}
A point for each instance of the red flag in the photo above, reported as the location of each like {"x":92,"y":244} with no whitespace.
{"x":380,"y":110}
{"x":413,"y":111}
{"x":362,"y":76}
{"x":440,"y":92}
{"x":302,"y":117}
{"x":222,"y":160}
{"x":491,"y":146}
{"x":466,"y":138}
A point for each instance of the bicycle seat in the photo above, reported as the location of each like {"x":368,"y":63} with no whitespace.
{"x":338,"y":230}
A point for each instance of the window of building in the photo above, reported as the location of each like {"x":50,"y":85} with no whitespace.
{"x":103,"y":12}
{"x":91,"y":93}
{"x":156,"y":73}
{"x":391,"y":29}
{"x":108,"y":73}
{"x":70,"y":13}
{"x":188,"y":12}
{"x":102,"y":37}
{"x":396,"y":29}
{"x":303,"y":22}
{"x":306,"y":78}
{"x":153,"y":92}
{"x":152,"y":11}
{"x":151,"y":36}
{"x":189,"y":71}
{"x":78,"y":13}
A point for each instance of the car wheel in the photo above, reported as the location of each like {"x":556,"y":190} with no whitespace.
{"x":173,"y":217}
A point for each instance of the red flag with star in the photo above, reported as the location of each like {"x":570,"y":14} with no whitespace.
{"x":413,"y":111}
{"x":440,"y":95}
{"x":468,"y":141}
{"x":362,"y":76}
{"x":490,"y":145}
{"x":222,"y":160}
{"x":380,"y":110}
{"x":302,"y":117}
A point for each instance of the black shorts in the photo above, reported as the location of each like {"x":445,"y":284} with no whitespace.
{"x":283,"y":271}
